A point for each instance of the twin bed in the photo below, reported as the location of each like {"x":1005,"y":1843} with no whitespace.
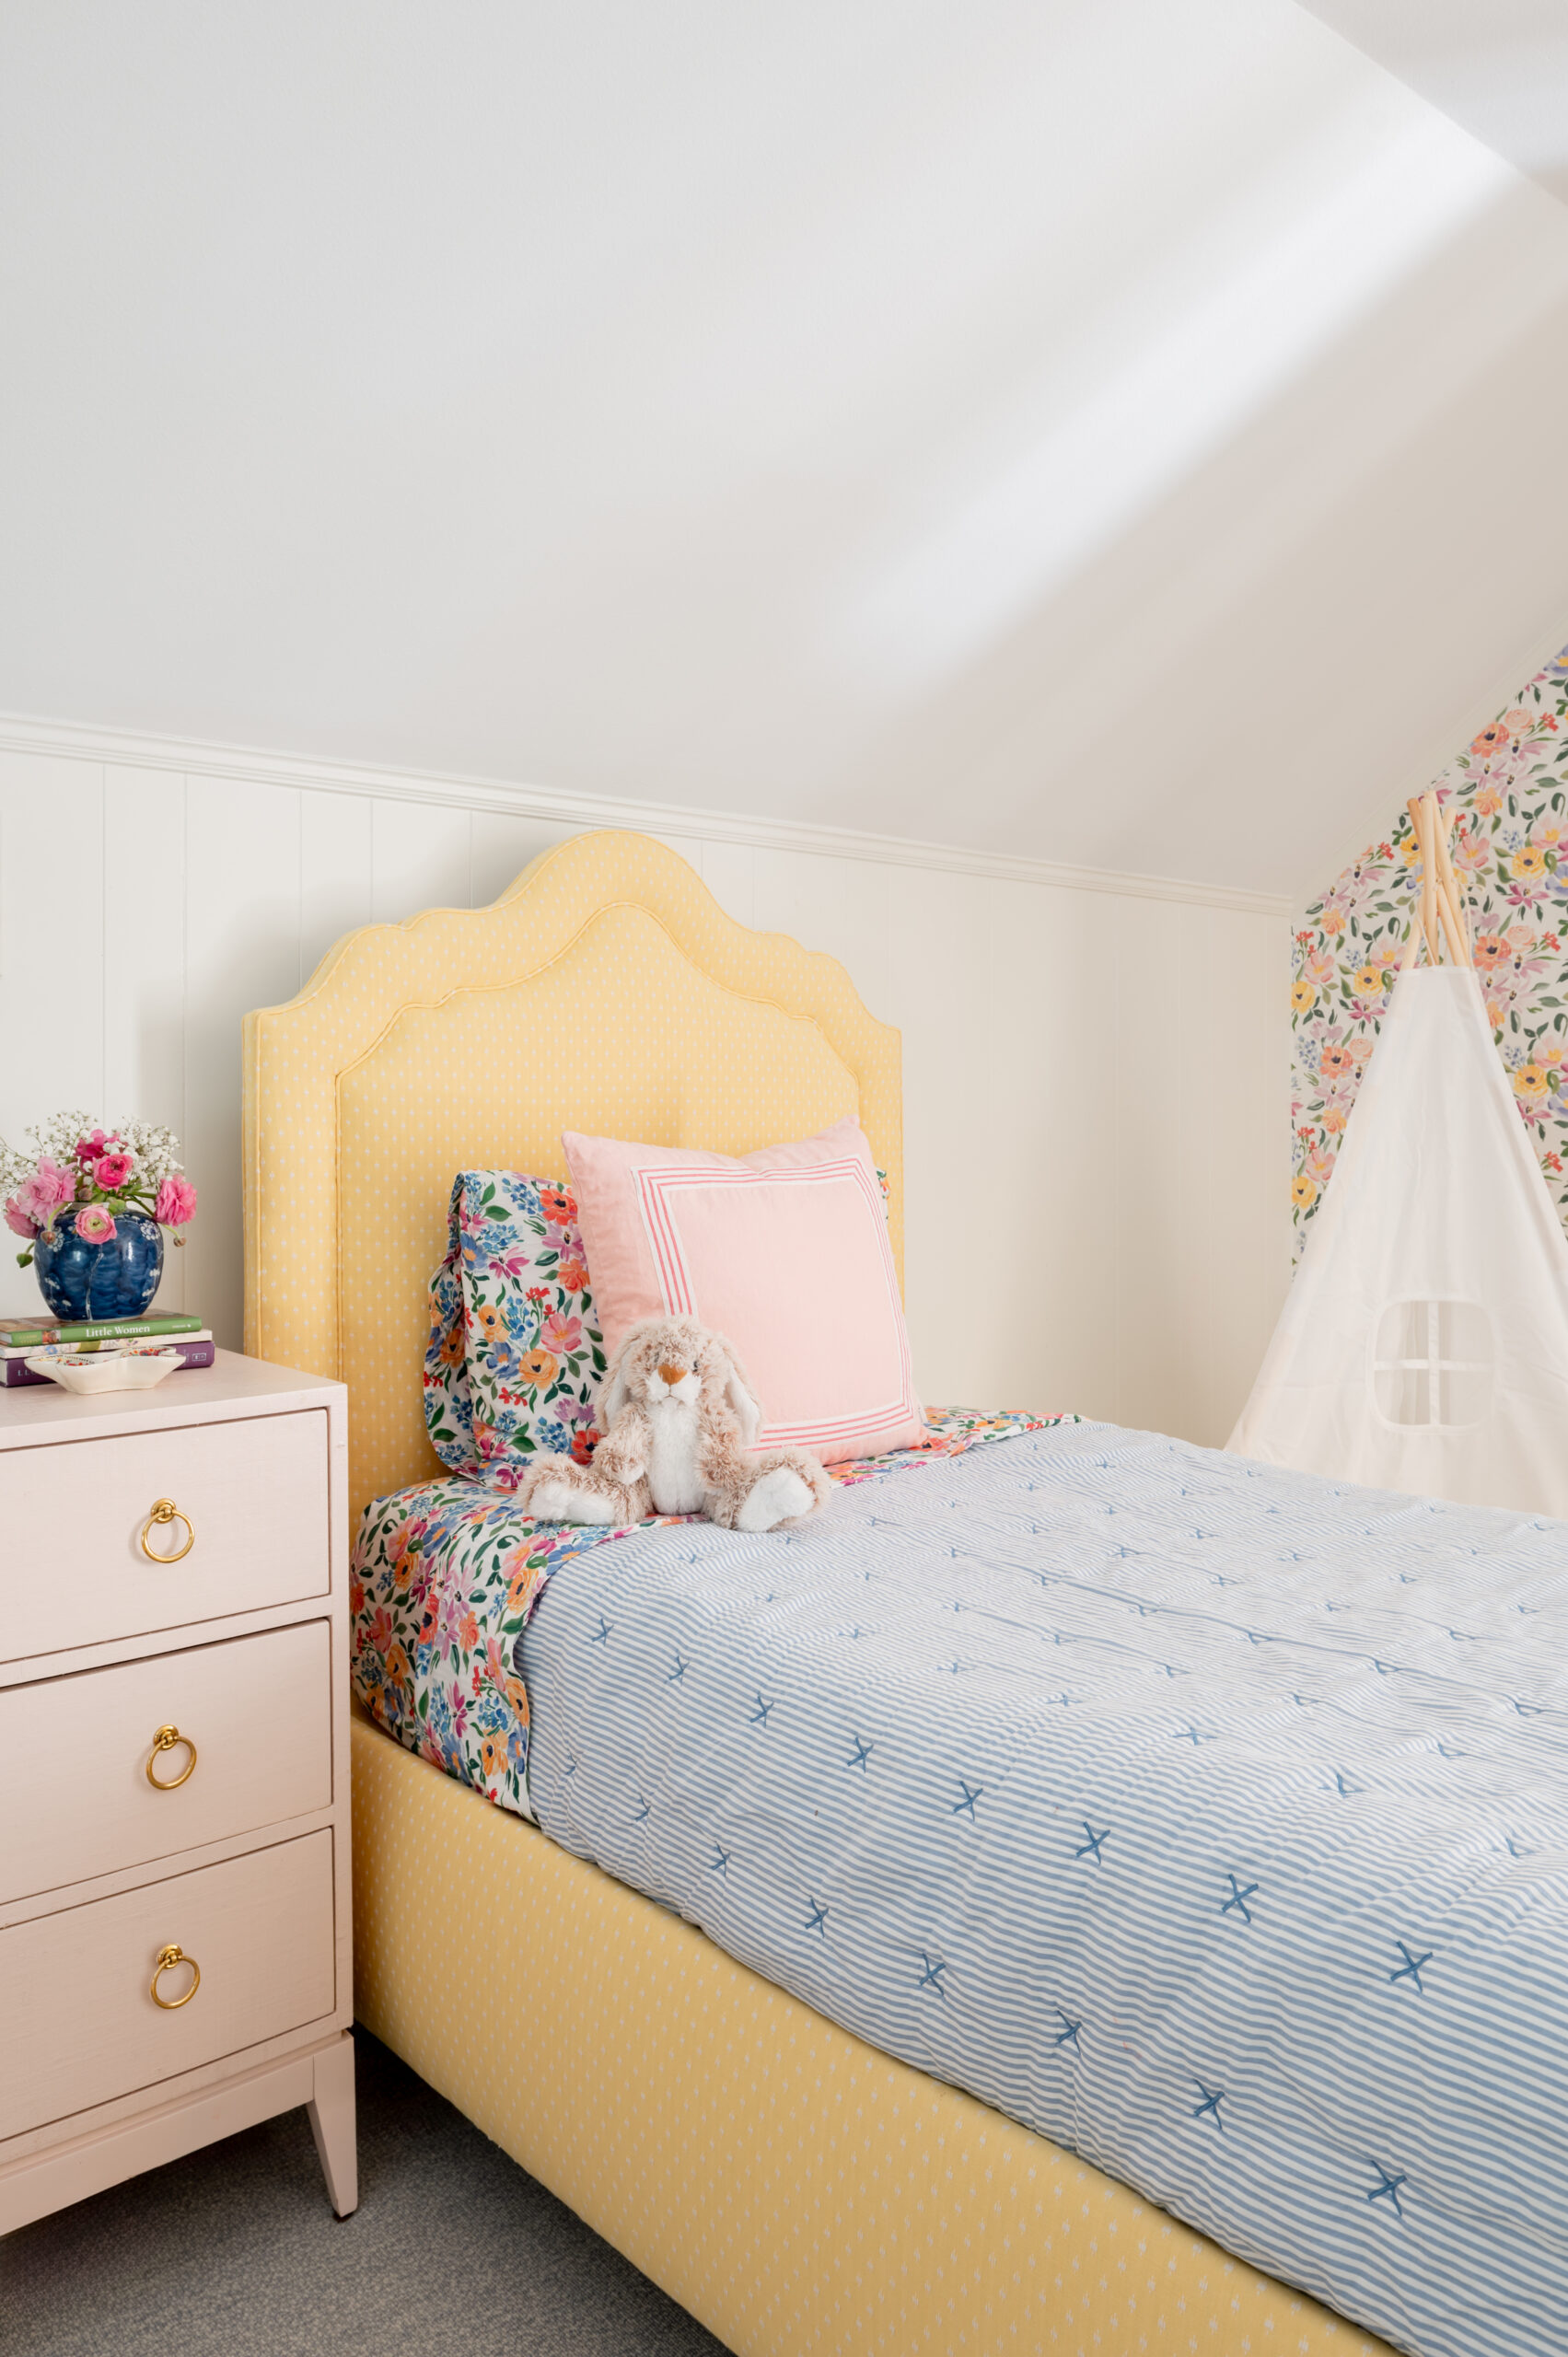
{"x":1067,"y":1810}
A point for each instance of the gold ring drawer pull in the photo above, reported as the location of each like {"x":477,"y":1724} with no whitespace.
{"x":169,"y":1739}
{"x":167,"y":1960}
{"x":166,"y":1511}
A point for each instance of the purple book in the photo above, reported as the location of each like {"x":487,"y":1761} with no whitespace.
{"x":16,"y":1371}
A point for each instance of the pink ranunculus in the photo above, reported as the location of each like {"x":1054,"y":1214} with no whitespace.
{"x":43,"y":1194}
{"x":111,"y":1172}
{"x":17,"y":1221}
{"x":176,"y":1202}
{"x":94,"y":1226}
{"x":89,"y":1149}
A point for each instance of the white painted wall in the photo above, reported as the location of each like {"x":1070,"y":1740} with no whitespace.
{"x":1094,"y":1067}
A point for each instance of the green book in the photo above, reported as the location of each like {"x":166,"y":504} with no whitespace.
{"x":37,"y":1332}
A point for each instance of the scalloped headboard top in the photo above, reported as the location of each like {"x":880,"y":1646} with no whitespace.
{"x":607,"y":991}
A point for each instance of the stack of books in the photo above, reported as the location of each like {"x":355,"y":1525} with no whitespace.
{"x":25,"y":1338}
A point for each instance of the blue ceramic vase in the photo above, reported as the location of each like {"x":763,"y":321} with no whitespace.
{"x":82,"y":1282}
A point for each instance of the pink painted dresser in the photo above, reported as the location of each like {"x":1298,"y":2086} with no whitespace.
{"x":175,"y":1955}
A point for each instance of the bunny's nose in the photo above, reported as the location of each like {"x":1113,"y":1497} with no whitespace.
{"x":674,"y":1375}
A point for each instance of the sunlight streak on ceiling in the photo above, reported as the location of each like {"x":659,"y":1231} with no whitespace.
{"x":1390,"y":195}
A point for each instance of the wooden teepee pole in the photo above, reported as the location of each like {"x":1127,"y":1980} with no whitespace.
{"x":1449,"y":883}
{"x":1429,"y":894}
{"x":1423,"y":925}
{"x":1439,"y":912}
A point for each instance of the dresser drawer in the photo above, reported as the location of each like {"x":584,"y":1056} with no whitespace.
{"x":75,"y":1797}
{"x":251,"y":1498}
{"x":78,"y":2025}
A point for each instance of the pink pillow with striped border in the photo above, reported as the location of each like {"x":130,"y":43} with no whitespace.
{"x":785,"y":1251}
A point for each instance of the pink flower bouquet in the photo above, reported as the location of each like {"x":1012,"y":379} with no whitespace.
{"x":86,"y":1174}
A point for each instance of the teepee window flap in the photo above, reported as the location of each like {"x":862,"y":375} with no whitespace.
{"x":1432,"y":1362}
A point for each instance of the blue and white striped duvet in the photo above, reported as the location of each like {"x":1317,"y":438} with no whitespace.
{"x":1209,"y":1819}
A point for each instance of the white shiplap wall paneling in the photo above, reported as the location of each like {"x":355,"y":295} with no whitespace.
{"x":1094,"y":1081}
{"x":1236,"y":971}
{"x":52,"y":933}
{"x":242,"y":853}
{"x":727,"y":872}
{"x":52,"y":954}
{"x":937,"y":995}
{"x":335,"y":833}
{"x":1052,"y":1143}
{"x":1201,"y":1049}
{"x":1240,"y":977}
{"x":144,"y":982}
{"x":420,"y":857}
{"x":501,"y":847}
{"x":1157,"y":1350}
{"x":838,"y":905}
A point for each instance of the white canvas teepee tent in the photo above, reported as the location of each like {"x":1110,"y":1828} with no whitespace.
{"x":1424,"y":1343}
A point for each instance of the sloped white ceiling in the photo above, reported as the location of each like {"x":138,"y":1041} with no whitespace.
{"x":1500,"y":67}
{"x":1122,"y":431}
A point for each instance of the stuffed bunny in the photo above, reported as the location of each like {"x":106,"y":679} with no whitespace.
{"x":679,"y":1422}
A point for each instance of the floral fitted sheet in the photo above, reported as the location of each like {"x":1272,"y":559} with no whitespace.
{"x":446,"y":1576}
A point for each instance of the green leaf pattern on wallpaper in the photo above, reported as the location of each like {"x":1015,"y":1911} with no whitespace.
{"x":1510,"y":853}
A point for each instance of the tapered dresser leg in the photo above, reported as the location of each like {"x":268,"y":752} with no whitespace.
{"x":332,"y":2124}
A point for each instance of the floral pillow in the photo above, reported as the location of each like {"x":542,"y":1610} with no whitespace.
{"x":514,"y":1355}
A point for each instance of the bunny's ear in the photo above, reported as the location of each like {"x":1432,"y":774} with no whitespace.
{"x":617,"y":1389}
{"x":746,"y":1413}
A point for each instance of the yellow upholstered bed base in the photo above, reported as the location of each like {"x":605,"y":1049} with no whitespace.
{"x":792,"y":2188}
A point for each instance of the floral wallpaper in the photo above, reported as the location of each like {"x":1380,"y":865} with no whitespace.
{"x":1510,"y":853}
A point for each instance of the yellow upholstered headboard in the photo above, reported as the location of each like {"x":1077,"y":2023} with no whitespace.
{"x":607,"y":991}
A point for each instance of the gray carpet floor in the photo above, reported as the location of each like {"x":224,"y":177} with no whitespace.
{"x":233,"y":2252}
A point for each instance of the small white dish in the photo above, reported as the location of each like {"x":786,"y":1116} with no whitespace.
{"x":107,"y":1370}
